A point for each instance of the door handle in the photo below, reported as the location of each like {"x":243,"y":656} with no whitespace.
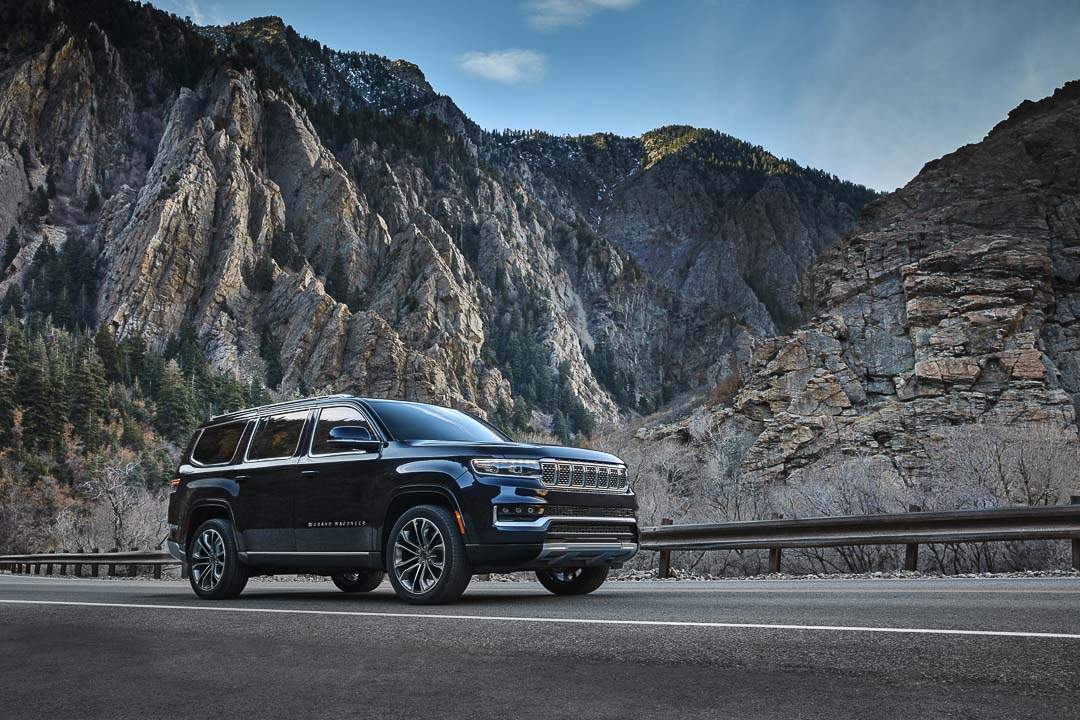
{"x":309,"y":473}
{"x":241,"y":478}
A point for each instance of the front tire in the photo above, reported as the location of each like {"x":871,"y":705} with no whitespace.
{"x":360,"y":581}
{"x":573,"y":581}
{"x":425,"y":557}
{"x":215,"y":570}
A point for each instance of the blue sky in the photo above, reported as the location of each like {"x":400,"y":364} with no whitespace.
{"x":869,"y":90}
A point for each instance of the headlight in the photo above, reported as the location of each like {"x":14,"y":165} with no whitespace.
{"x":507,"y":468}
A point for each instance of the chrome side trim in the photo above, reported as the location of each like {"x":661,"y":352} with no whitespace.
{"x":318,"y":554}
{"x":542,"y":523}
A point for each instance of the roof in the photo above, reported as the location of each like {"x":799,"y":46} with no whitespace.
{"x":297,"y":404}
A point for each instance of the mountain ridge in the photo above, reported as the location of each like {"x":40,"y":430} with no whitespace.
{"x":331,"y":212}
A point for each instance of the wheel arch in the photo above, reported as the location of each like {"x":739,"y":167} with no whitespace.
{"x":210,"y":509}
{"x":410,"y":497}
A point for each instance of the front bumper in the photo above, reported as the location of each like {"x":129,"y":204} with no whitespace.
{"x":173,"y":548}
{"x":580,"y":554}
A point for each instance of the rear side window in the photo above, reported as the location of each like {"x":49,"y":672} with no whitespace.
{"x":333,"y":417}
{"x":217,"y":444}
{"x":276,"y":436}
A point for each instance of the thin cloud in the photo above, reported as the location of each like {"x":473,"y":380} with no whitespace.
{"x":194,"y":10}
{"x":505,"y":66}
{"x":555,"y":14}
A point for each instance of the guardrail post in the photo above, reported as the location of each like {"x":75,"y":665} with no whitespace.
{"x":112,"y":566}
{"x":911,"y":550}
{"x":94,"y":568}
{"x":775,"y":553}
{"x":665,"y":555}
{"x":48,"y":568}
{"x":1075,"y":500}
{"x":157,"y":571}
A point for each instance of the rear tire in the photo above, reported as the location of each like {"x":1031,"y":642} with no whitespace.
{"x":215,"y":570}
{"x":361,"y":581}
{"x":573,"y":581}
{"x":425,"y":557}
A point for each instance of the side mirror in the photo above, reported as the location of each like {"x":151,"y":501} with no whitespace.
{"x":354,"y":437}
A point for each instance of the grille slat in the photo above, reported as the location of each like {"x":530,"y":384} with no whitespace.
{"x":582,"y":511}
{"x":583,"y":476}
{"x":576,"y":528}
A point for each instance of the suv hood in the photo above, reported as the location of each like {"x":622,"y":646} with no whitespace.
{"x":516,"y":450}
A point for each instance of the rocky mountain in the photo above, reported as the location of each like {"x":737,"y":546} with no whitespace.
{"x":326,"y":220}
{"x":955,"y":301}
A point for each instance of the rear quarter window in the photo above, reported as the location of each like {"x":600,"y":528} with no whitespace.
{"x":217,"y":445}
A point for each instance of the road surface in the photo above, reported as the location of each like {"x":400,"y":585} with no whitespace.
{"x":1006,"y":648}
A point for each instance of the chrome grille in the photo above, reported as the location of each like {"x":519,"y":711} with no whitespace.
{"x":583,"y":511}
{"x":579,"y":528}
{"x":583,"y":476}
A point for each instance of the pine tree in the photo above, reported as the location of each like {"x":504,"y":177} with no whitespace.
{"x":35,"y":395}
{"x":175,"y":417}
{"x":109,"y":353}
{"x":560,"y":428}
{"x":14,"y":343}
{"x":7,"y":400}
{"x":87,"y":403}
{"x":337,"y":282}
{"x":257,"y":394}
{"x":93,"y":201}
{"x":270,"y":351}
{"x":11,"y":247}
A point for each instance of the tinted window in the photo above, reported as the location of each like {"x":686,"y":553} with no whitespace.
{"x":276,"y":436}
{"x":333,"y":417}
{"x":217,"y":444}
{"x":413,"y":421}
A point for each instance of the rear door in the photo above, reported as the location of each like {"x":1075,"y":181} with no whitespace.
{"x":334,"y":488}
{"x":264,"y":506}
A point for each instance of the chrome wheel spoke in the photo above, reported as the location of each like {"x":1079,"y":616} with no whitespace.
{"x":208,"y":559}
{"x":419,"y":555}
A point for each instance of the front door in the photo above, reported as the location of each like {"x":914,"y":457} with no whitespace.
{"x":334,"y":486}
{"x":264,"y":506}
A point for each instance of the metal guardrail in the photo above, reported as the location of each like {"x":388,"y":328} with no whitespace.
{"x":44,"y":563}
{"x":1051,"y":522}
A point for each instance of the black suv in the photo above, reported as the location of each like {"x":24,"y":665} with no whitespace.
{"x":359,"y":488}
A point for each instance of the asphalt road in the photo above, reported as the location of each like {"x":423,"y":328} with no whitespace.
{"x":740,"y":649}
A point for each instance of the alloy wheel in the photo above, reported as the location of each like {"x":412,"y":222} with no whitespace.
{"x":208,"y":559}
{"x":419,"y":555}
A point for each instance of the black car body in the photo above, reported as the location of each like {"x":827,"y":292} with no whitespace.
{"x":317,"y":485}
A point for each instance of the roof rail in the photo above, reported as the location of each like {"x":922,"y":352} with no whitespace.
{"x":281,"y":404}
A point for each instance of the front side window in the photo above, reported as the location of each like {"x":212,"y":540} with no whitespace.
{"x":217,"y":445}
{"x":333,"y":417}
{"x":416,"y":421}
{"x":277,"y":436}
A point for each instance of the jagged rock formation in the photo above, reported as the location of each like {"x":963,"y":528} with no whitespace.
{"x":332,"y":208}
{"x":955,"y":301}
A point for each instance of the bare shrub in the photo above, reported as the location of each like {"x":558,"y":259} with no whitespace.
{"x":26,"y":505}
{"x":119,"y":510}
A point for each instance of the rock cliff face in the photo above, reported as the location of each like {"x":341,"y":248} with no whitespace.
{"x":334,"y":210}
{"x":954,"y":301}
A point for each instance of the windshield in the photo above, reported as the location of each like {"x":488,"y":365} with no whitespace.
{"x":413,"y":421}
